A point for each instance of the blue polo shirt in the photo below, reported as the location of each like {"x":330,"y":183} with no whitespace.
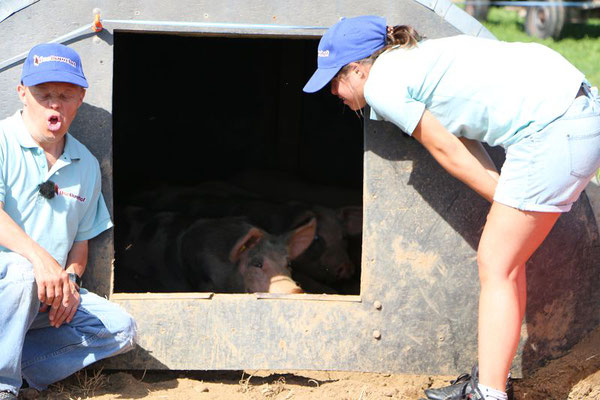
{"x":486,"y":90}
{"x":76,"y":213}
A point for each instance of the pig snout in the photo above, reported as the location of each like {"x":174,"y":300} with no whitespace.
{"x":284,"y":284}
{"x":276,"y":284}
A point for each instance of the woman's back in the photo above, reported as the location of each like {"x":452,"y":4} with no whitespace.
{"x":482,"y":89}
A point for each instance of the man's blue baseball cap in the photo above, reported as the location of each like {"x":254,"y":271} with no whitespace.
{"x":53,"y":62}
{"x":351,"y":39}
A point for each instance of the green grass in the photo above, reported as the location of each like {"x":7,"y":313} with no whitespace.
{"x":579,"y":43}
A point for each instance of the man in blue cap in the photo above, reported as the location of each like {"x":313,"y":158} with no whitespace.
{"x":50,"y":206}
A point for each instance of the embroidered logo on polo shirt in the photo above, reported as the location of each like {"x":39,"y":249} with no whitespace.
{"x":61,"y":192}
{"x":323,"y":53}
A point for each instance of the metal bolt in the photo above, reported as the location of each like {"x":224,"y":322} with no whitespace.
{"x":376,"y":334}
{"x":377,"y":305}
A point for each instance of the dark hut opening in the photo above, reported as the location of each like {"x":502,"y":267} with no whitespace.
{"x":192,"y":109}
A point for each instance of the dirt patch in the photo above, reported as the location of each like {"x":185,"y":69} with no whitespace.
{"x":574,"y":376}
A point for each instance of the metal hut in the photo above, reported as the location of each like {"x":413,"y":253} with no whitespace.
{"x":192,"y":90}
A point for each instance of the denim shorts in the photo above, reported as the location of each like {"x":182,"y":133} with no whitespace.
{"x":547,"y":170}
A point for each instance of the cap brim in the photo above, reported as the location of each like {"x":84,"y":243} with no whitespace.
{"x":54,"y":76}
{"x":320,"y":78}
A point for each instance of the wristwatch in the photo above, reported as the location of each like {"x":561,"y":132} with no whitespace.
{"x":75,"y":279}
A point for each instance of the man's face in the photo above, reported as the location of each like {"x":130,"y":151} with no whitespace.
{"x":49,"y":109}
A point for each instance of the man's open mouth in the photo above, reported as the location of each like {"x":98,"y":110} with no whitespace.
{"x":54,"y":123}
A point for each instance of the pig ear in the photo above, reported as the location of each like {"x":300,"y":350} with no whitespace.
{"x":303,"y":218}
{"x":352,"y":218}
{"x":301,"y":237}
{"x":248,"y":241}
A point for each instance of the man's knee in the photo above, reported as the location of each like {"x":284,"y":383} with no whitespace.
{"x":126,"y":328}
{"x":120,"y":324}
{"x":17,"y":279}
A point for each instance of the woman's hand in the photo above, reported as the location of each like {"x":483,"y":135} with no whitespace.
{"x":478,"y":151}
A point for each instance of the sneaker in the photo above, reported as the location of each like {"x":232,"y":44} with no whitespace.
{"x":7,"y":396}
{"x":472,"y":391}
{"x":460,"y":387}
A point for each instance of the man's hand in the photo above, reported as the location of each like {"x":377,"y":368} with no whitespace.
{"x":52,"y":280}
{"x":55,"y":290}
{"x":64,"y":313}
{"x":54,"y":286}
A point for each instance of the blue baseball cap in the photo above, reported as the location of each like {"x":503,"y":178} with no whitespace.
{"x":351,"y":39}
{"x":53,"y":62}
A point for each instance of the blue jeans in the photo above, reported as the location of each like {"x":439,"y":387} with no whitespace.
{"x":31,"y":348}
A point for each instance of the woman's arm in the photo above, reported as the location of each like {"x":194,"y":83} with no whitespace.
{"x":455,"y":157}
{"x":477,"y":149}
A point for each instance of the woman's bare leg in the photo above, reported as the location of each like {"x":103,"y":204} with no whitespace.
{"x":522,"y":289}
{"x":509,"y":238}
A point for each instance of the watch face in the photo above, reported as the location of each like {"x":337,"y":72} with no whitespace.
{"x":75,"y":278}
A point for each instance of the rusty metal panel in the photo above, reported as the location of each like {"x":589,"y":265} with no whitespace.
{"x":247,"y":331}
{"x":421,"y":232}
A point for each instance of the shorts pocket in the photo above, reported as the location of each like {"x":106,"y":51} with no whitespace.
{"x":584,"y":151}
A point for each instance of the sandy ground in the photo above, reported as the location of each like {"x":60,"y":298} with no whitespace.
{"x":574,"y":376}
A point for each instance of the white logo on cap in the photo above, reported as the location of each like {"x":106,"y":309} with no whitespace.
{"x":323,"y":53}
{"x":37,"y":60}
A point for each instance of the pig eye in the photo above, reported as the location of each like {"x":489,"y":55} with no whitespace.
{"x":257,"y":264}
{"x":317,"y":237}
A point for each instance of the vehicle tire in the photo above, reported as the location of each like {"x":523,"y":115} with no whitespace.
{"x":545,"y":22}
{"x":479,"y":11}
